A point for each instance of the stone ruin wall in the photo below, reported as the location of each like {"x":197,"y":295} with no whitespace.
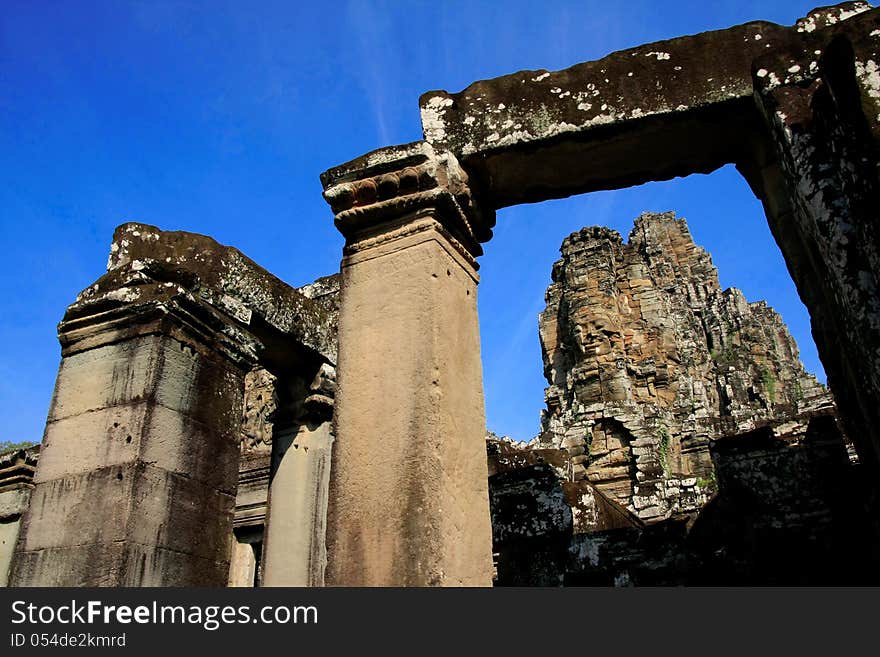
{"x":648,"y":360}
{"x":682,"y":443}
{"x":787,"y":509}
{"x":649,"y":363}
{"x":675,"y":412}
{"x":158,"y":356}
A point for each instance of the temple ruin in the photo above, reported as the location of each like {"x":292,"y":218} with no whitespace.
{"x":212,"y":425}
{"x":682,"y":441}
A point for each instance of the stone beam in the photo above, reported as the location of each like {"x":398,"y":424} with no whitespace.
{"x":408,"y":499}
{"x":661,"y":110}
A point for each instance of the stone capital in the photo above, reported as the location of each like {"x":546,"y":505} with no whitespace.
{"x":127,"y":302}
{"x":389,"y":187}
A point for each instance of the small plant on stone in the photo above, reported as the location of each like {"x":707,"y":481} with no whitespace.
{"x":708,"y":484}
{"x":768,"y":383}
{"x":663,"y":446}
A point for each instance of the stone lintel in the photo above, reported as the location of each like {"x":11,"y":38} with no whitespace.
{"x":390,"y":186}
{"x":806,"y":60}
{"x":653,"y":112}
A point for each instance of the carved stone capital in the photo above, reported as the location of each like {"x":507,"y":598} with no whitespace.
{"x":128,"y":302}
{"x":322,"y":392}
{"x":384,"y":187}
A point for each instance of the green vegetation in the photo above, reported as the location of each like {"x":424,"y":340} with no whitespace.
{"x":768,"y":383}
{"x":663,"y":435}
{"x":798,"y":391}
{"x":588,"y":441}
{"x":7,"y":446}
{"x":709,"y":484}
{"x":727,"y":356}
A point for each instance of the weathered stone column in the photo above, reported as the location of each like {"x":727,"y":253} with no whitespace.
{"x":242,"y":565}
{"x":135,"y":485}
{"x":822,"y":109}
{"x":408,"y":493}
{"x":295,"y":552}
{"x":16,"y":475}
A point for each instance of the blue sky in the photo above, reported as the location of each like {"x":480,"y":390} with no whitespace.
{"x":217,"y":117}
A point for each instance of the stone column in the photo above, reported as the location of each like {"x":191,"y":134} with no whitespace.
{"x":242,"y":565}
{"x":295,"y":553}
{"x":408,"y":494}
{"x":136,"y":481}
{"x":16,"y":475}
{"x":822,"y":199}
